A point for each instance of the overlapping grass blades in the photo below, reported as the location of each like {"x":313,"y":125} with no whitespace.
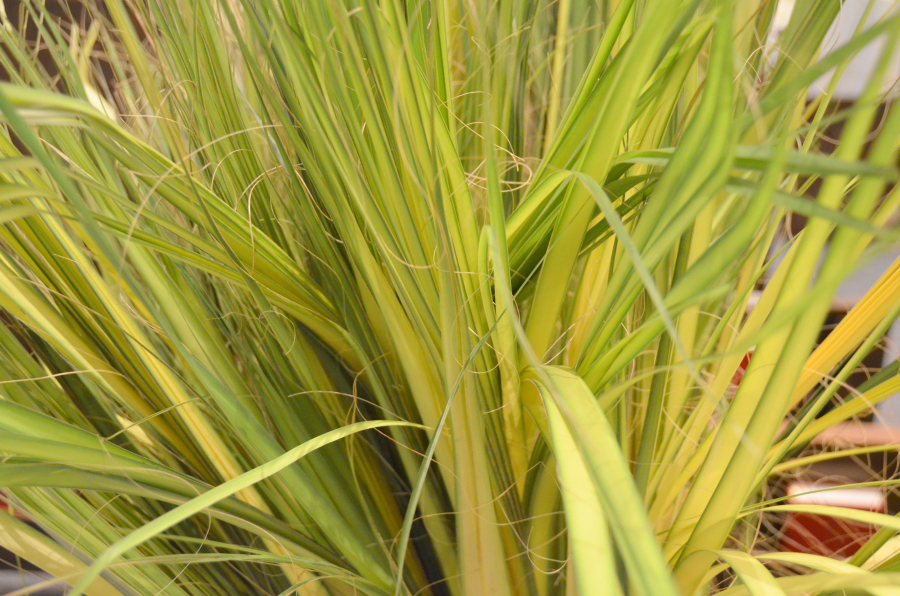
{"x":231,"y":229}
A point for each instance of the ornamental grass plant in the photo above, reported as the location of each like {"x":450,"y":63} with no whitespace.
{"x":432,"y":297}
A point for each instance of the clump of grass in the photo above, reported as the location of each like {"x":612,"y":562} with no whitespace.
{"x":442,"y":297}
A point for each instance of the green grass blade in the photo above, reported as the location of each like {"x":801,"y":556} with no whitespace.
{"x":215,"y":495}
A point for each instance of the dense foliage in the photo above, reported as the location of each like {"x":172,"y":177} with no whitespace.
{"x":437,"y":297}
